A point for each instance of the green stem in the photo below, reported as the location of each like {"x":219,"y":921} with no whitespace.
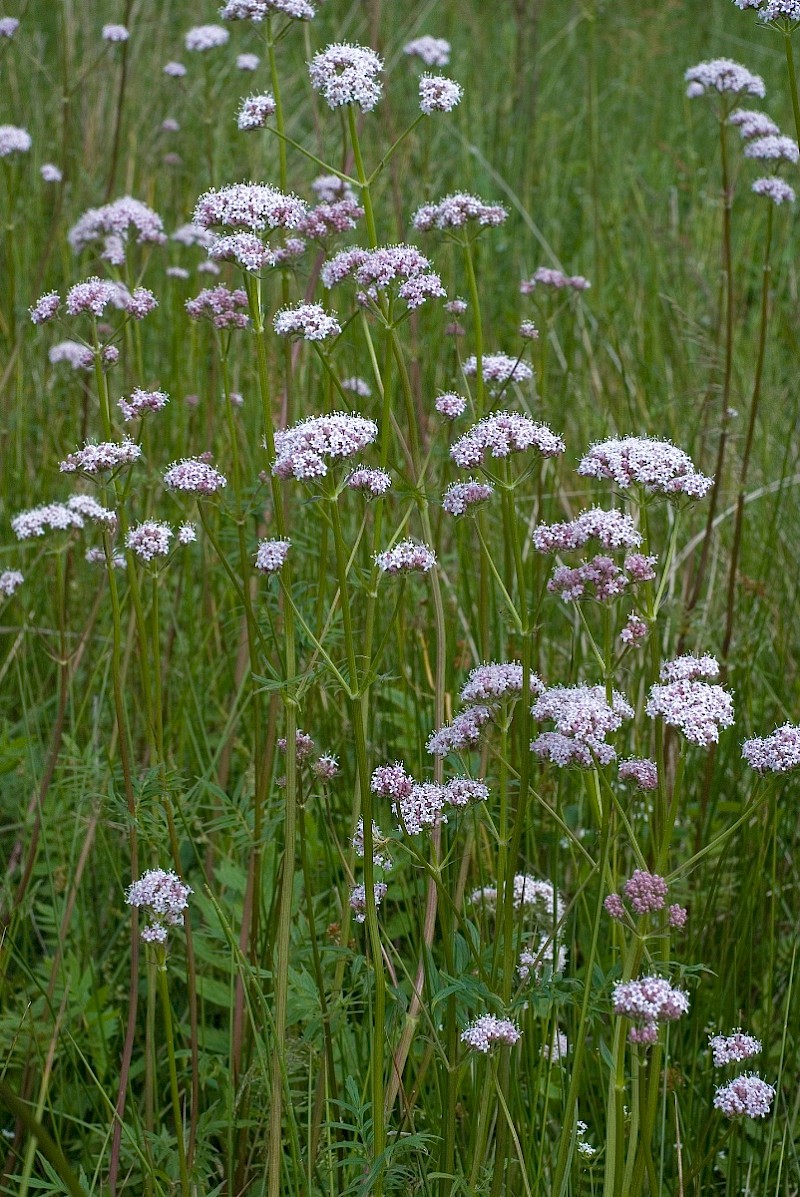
{"x":787,"y":43}
{"x":173,"y":1074}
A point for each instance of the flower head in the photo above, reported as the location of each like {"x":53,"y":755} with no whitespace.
{"x":644,"y":772}
{"x":438,"y":94}
{"x":751,"y":123}
{"x":114,"y":224}
{"x":547,"y":276}
{"x":308,"y":320}
{"x":457,"y":210}
{"x":773,"y":148}
{"x":10,"y":582}
{"x":141,"y":402}
{"x":733,"y":1048}
{"x":462,"y":733}
{"x":434,"y":51}
{"x":488,"y":1031}
{"x":724,"y":76}
{"x":303,"y":450}
{"x":408,"y":556}
{"x":461,"y":497}
{"x":163,"y":897}
{"x":14,"y":140}
{"x":774,"y":189}
{"x":115,"y":33}
{"x":502,"y":434}
{"x":499,"y":369}
{"x":223,"y":307}
{"x":347,"y":74}
{"x":697,"y":708}
{"x":192,"y":475}
{"x":253,"y":206}
{"x":8,"y":26}
{"x":583,"y":719}
{"x":206,"y":37}
{"x":257,"y":10}
{"x":99,"y":458}
{"x":358,"y":899}
{"x":646,"y":892}
{"x":50,"y":173}
{"x":776,"y":753}
{"x":496,"y":682}
{"x":255,"y":111}
{"x":648,"y":1001}
{"x":612,"y":529}
{"x":657,"y":466}
{"x":745,"y":1096}
{"x":372,"y":483}
{"x":450,"y":405}
{"x":272,"y":555}
{"x":149,"y":539}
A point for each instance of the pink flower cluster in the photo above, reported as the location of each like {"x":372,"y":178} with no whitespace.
{"x":463,"y":732}
{"x":406,"y":557}
{"x":648,"y":1002}
{"x":149,"y":539}
{"x":698,"y":709}
{"x":308,"y":320}
{"x":337,"y":216}
{"x":347,"y":74}
{"x":402,"y":267}
{"x":301,"y":450}
{"x":255,"y":111}
{"x":725,"y":76}
{"x":773,"y":147}
{"x":450,"y":405}
{"x":438,"y":94}
{"x":646,"y":892}
{"x":422,"y":805}
{"x":253,"y":206}
{"x":97,"y":459}
{"x":358,"y":899}
{"x":496,"y":682}
{"x":657,"y":466}
{"x":488,"y":1031}
{"x":583,"y":718}
{"x":195,"y":476}
{"x":434,"y":51}
{"x":774,"y":189}
{"x":502,"y":434}
{"x":751,"y":123}
{"x":644,"y":772}
{"x":141,"y":402}
{"x":272,"y":555}
{"x":373,"y":483}
{"x":113,"y":224}
{"x":461,"y":496}
{"x":545,"y":276}
{"x":163,"y":897}
{"x":499,"y":369}
{"x":60,"y":517}
{"x":613,"y":529}
{"x":776,"y":753}
{"x":245,"y":249}
{"x":457,"y":210}
{"x":600,"y":579}
{"x":10,"y":582}
{"x":259,"y":10}
{"x":746,"y":1096}
{"x":224,"y":308}
{"x":733,"y":1048}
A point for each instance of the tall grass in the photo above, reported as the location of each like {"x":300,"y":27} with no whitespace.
{"x":276,"y":1044}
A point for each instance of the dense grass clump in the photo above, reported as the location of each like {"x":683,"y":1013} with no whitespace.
{"x":398,"y":579}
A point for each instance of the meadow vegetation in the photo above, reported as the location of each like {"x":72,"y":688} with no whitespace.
{"x":398,"y":598}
